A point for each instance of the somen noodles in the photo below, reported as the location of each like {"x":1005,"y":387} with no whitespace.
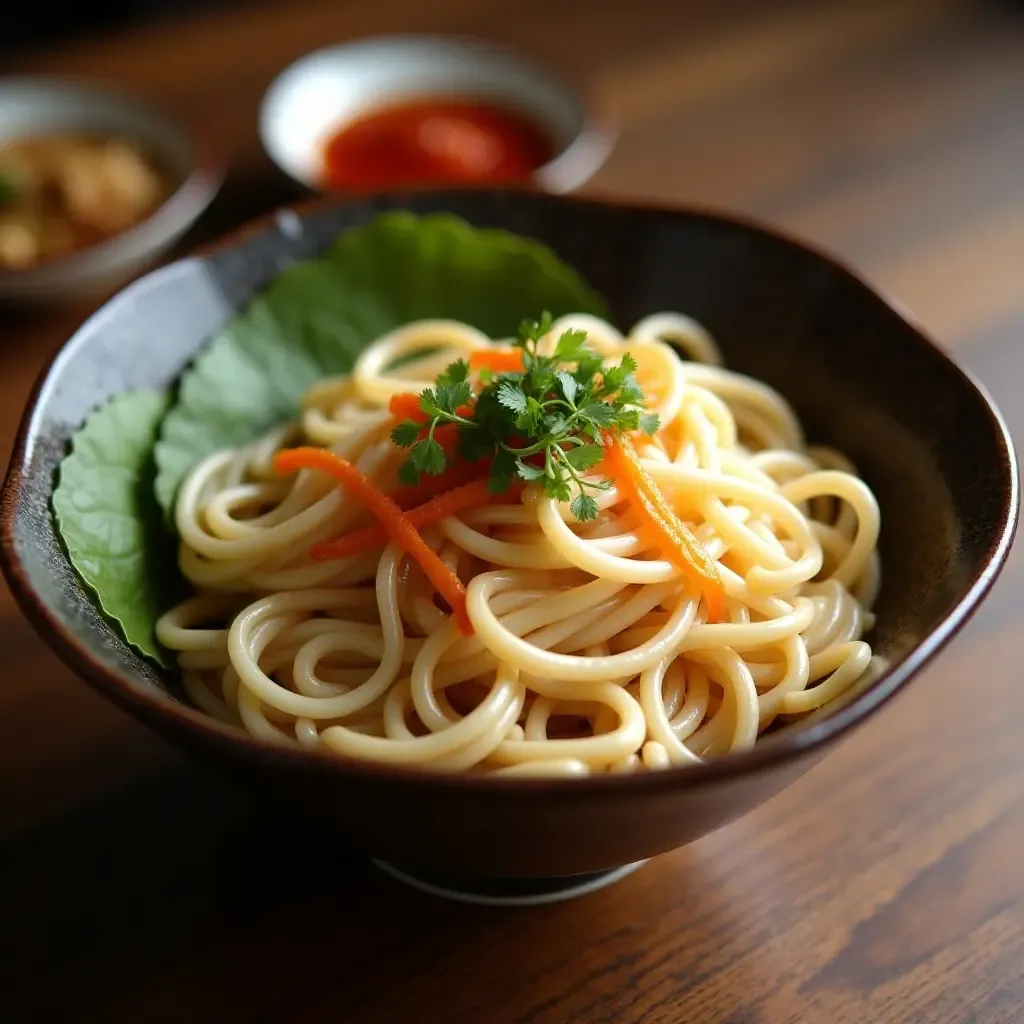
{"x":591,"y":648}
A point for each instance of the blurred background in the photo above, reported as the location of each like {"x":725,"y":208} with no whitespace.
{"x":25,"y":25}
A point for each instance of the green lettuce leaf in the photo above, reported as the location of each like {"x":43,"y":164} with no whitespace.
{"x":317,"y":316}
{"x":109,"y":520}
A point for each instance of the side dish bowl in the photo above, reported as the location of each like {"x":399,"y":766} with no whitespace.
{"x":924,"y":434}
{"x":330,"y":87}
{"x":40,"y":107}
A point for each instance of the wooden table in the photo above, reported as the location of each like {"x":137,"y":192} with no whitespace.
{"x":887,"y":885}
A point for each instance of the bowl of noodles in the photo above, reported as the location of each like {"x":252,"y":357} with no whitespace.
{"x":522,"y":537}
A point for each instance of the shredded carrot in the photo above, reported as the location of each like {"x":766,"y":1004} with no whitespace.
{"x":497,"y":360}
{"x":457,"y":474}
{"x":391,"y":517}
{"x":406,"y":406}
{"x":660,"y":523}
{"x":458,"y":499}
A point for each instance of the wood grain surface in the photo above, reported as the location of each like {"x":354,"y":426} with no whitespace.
{"x":887,"y":885}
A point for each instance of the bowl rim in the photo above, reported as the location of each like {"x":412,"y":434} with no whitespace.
{"x":178,"y":211}
{"x":589,"y":147}
{"x":193,"y":725}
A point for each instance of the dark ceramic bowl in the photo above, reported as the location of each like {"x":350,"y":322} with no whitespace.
{"x":925,"y":436}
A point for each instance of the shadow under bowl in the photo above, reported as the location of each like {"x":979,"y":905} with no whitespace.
{"x":924,"y":435}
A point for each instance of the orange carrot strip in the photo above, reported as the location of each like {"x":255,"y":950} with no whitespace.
{"x":457,"y":474}
{"x":458,"y":499}
{"x":398,"y":527}
{"x":662,"y":525}
{"x":497,"y":360}
{"x":406,"y":406}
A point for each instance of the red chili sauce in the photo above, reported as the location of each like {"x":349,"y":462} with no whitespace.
{"x":434,"y":142}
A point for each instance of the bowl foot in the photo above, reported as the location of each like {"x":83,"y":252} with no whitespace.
{"x":506,"y":892}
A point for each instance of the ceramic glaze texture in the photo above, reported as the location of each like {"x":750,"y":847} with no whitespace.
{"x":862,"y":377}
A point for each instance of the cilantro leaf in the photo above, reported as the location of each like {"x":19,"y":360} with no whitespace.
{"x":572,"y":346}
{"x":428,"y":456}
{"x":455,"y":373}
{"x":557,"y":487}
{"x":586,"y":369}
{"x":529,"y":419}
{"x":555,"y":424}
{"x":450,"y":396}
{"x":629,"y":394}
{"x":584,"y":507}
{"x":585,"y":457}
{"x":569,"y":385}
{"x":541,"y":377}
{"x":528,"y":472}
{"x":408,"y":474}
{"x":650,"y":422}
{"x":511,"y":395}
{"x":428,"y":402}
{"x":534,"y":330}
{"x":406,"y":433}
{"x":600,"y":414}
{"x":621,"y":376}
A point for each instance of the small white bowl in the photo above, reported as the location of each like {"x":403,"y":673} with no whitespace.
{"x":43,"y":106}
{"x":313,"y":97}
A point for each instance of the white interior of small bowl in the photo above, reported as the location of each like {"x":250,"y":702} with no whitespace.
{"x":319,"y":93}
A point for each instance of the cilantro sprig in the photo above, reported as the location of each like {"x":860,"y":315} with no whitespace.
{"x":543,"y":425}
